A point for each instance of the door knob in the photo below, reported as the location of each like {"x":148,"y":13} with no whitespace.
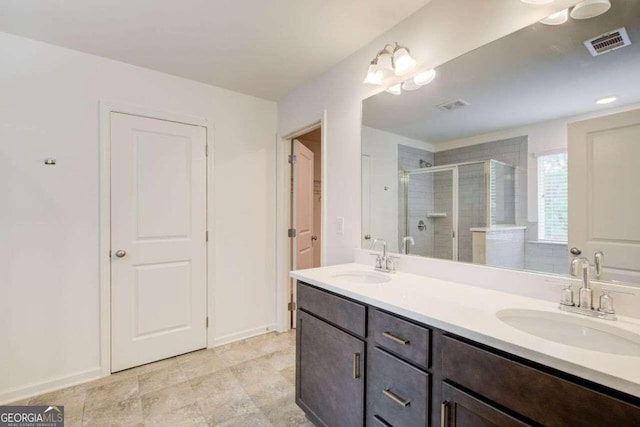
{"x":367,"y":237}
{"x":575,"y":251}
{"x":120,"y":253}
{"x":314,"y":237}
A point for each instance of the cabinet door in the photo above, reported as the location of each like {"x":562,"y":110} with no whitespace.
{"x":329,"y":373}
{"x":460,"y":409}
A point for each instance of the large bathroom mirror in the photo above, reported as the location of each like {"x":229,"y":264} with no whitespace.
{"x":521,"y":154}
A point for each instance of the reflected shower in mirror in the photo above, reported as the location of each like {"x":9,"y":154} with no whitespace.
{"x":521,"y":154}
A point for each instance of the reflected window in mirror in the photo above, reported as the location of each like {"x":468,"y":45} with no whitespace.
{"x":553,"y":197}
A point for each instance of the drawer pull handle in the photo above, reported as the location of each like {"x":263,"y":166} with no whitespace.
{"x":390,"y":336}
{"x":356,"y":366}
{"x":399,"y":400}
{"x":443,"y":413}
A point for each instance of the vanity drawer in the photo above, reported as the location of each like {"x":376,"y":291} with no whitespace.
{"x":400,"y":337}
{"x":397,"y":392}
{"x":537,"y":395}
{"x":341,"y":312}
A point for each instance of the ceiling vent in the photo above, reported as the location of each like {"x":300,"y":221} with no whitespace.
{"x":607,"y":42}
{"x":454,"y":105}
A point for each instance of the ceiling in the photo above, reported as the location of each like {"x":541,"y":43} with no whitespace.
{"x":536,"y":74}
{"x":264,"y":48}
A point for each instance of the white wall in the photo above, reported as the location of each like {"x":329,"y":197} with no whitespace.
{"x":382,"y":147}
{"x":439,"y":32}
{"x":49,"y":283}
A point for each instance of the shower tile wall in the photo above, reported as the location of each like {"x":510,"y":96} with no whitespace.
{"x":472,"y":210}
{"x":419,"y":200}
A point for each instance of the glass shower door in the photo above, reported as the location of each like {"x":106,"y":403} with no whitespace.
{"x":430,"y":212}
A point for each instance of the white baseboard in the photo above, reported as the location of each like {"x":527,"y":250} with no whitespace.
{"x":237,"y":336}
{"x":23,"y":392}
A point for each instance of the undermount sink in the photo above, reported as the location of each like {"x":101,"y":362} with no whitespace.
{"x":574,"y":331}
{"x":363,"y":277}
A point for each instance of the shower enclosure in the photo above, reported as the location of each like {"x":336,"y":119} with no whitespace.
{"x":439,"y":205}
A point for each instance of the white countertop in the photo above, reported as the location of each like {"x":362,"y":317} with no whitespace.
{"x":470,"y":312}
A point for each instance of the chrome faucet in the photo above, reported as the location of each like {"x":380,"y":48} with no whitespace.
{"x":580,"y":266}
{"x":406,"y":241}
{"x":599,"y":263}
{"x":384,"y":262}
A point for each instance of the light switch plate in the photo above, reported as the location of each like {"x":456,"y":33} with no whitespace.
{"x":340,"y":225}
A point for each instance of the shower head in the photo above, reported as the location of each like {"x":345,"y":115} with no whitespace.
{"x":425,"y":164}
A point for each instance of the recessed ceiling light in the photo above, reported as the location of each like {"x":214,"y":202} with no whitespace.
{"x":536,"y":1}
{"x":590,"y":9}
{"x":557,"y":18}
{"x":606,"y":100}
{"x":395,"y":89}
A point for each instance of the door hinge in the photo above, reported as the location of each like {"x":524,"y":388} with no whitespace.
{"x":453,"y":234}
{"x":291,"y":232}
{"x":292,"y":159}
{"x":206,"y":236}
{"x":206,"y":150}
{"x":109,"y":253}
{"x":207,"y":322}
{"x":291,"y":306}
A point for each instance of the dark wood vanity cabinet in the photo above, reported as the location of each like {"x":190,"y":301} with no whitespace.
{"x":460,"y":409}
{"x":359,"y":365}
{"x":330,"y":358}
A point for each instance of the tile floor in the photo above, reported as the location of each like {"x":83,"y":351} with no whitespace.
{"x":247,"y":383}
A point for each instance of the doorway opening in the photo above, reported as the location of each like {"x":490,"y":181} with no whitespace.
{"x":305,"y":216}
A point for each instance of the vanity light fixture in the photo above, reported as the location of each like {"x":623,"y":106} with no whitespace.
{"x":606,"y":100}
{"x":393,"y":59}
{"x":403,"y":62}
{"x":419,"y":80}
{"x":557,"y":18}
{"x":372,"y":77}
{"x":425,"y":77}
{"x":588,"y":9}
{"x":410,"y":85}
{"x":395,"y":89}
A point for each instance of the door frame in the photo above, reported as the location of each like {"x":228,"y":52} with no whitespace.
{"x":106,"y":108}
{"x":283,"y":211}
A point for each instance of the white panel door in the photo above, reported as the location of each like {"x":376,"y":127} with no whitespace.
{"x":303,"y":205}
{"x":158,"y":243}
{"x":302,"y":213}
{"x":604,"y":191}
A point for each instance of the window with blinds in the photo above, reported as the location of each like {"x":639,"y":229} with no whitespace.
{"x":553,"y":224}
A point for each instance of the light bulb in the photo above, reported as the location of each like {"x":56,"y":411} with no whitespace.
{"x":425,"y":77}
{"x":403,"y":61}
{"x":395,"y":89}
